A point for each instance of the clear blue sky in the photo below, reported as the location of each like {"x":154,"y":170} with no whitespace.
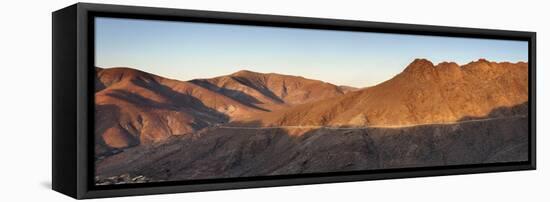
{"x":184,"y":51}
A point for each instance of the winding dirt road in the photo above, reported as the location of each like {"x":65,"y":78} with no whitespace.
{"x":365,"y":127}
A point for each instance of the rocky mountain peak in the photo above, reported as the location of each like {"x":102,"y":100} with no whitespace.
{"x":449,"y":71}
{"x":447,"y":65}
{"x":419,"y":66}
{"x":419,"y":70}
{"x":483,"y":60}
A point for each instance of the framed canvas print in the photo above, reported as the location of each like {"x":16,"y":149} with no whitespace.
{"x":155,"y":100}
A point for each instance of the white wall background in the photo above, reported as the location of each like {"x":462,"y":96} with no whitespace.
{"x":25,"y":104}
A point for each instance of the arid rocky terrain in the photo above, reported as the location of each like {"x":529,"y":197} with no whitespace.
{"x":151,"y":128}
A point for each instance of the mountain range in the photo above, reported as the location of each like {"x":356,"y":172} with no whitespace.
{"x":137,"y":110}
{"x":134,"y":107}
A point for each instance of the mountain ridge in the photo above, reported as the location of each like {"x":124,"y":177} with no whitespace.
{"x":421,"y":89}
{"x":135,"y":107}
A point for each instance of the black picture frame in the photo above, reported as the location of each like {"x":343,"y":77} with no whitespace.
{"x":73,"y":104}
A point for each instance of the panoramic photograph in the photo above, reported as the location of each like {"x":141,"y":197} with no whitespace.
{"x":180,"y":101}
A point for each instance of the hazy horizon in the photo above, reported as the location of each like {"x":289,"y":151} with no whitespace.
{"x":185,"y":51}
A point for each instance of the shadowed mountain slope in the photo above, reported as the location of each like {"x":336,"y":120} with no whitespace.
{"x":224,"y":153}
{"x":268,"y":89}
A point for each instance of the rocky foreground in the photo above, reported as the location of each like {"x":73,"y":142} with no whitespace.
{"x":226,"y":153}
{"x":121,"y":179}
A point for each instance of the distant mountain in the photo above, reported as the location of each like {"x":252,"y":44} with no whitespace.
{"x":261,"y":89}
{"x":135,"y":107}
{"x":422,"y":93}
